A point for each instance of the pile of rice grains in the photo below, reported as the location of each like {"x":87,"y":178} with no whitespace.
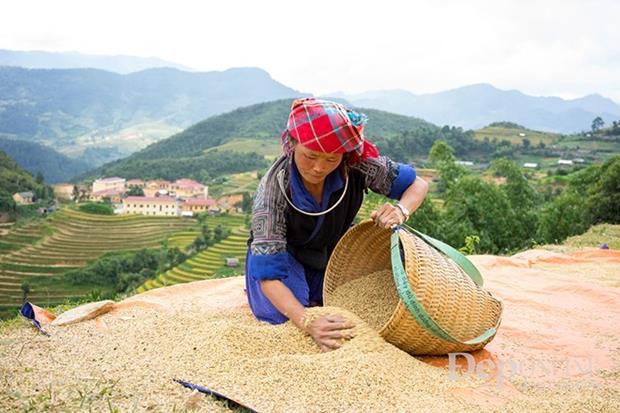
{"x":129,"y":365}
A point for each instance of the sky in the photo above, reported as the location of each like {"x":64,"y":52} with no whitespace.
{"x":562,"y":48}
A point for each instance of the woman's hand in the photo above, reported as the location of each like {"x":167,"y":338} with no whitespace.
{"x":330,"y":331}
{"x":387,"y":216}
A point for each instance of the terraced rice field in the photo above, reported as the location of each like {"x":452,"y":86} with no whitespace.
{"x":70,"y":239}
{"x":207,"y":263}
{"x":14,"y":238}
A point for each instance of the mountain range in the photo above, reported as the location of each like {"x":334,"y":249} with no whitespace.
{"x":110,"y":111}
{"x":476,"y":106}
{"x":74,"y":60}
{"x":75,"y":109}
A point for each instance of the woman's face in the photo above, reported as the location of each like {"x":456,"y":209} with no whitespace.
{"x":315,"y":166}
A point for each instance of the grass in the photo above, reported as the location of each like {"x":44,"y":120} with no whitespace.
{"x":593,"y":238}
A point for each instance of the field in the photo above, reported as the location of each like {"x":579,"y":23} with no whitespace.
{"x":125,"y":141}
{"x":70,"y":239}
{"x":209,"y":263}
{"x":514,"y":135}
{"x":234,"y":184}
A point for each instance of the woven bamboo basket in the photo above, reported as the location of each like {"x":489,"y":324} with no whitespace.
{"x":446,"y":292}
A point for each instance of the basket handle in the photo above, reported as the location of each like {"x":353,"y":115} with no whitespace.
{"x":415,"y":307}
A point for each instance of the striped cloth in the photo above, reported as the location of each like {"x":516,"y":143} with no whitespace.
{"x":328,"y":127}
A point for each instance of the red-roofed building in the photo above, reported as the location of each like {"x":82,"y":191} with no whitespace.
{"x":151,"y":205}
{"x":188,"y":188}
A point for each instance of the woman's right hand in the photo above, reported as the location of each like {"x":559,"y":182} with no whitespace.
{"x":330,"y":331}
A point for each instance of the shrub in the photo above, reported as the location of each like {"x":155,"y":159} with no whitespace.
{"x":97,"y":208}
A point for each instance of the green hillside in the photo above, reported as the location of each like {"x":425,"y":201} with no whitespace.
{"x":15,"y":179}
{"x":239,"y":141}
{"x":269,"y":149}
{"x":36,"y":158}
{"x":70,"y":239}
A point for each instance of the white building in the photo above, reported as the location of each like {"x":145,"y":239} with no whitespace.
{"x":530,"y":165}
{"x":565,"y":162}
{"x":151,"y":205}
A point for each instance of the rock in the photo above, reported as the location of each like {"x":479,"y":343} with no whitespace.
{"x":83,"y":312}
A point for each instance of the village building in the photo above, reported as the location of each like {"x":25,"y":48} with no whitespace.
{"x":155,"y":187}
{"x":194,"y":206}
{"x":104,"y":184}
{"x":149,"y":205}
{"x":136,"y":183}
{"x":228,"y":203}
{"x":188,"y":188}
{"x":114,"y":195}
{"x":565,"y":162}
{"x":530,"y":165}
{"x":63,"y":191}
{"x":24,"y":198}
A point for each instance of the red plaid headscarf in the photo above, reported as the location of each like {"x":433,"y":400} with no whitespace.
{"x":328,"y":127}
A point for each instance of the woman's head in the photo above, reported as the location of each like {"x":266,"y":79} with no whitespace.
{"x":329,"y":128}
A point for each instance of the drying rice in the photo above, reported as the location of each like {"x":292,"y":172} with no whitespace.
{"x":373,"y":297}
{"x":129,"y":365}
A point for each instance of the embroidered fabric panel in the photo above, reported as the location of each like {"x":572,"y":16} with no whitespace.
{"x":269,"y":213}
{"x":380,"y":173}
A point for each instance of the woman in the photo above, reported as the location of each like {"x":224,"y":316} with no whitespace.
{"x":307,"y":201}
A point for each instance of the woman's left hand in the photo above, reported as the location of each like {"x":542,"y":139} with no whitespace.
{"x":388,"y":216}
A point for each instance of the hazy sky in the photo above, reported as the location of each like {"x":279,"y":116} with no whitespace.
{"x":566,"y":48}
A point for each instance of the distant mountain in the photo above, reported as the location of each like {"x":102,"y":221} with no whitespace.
{"x":35,"y":158}
{"x":185,"y":154}
{"x":73,"y":60}
{"x":77,"y":108}
{"x":478,"y":105}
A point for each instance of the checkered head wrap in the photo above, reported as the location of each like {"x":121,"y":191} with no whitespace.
{"x":328,"y":127}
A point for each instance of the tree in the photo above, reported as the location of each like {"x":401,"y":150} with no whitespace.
{"x":526,"y":143}
{"x":603,"y":204}
{"x":135,"y":191}
{"x":597,"y":124}
{"x":442,"y":158}
{"x":563,"y":217}
{"x":440,"y":152}
{"x":75,"y":194}
{"x":39,"y":178}
{"x":475,"y":207}
{"x":25,"y":287}
{"x":246,"y":203}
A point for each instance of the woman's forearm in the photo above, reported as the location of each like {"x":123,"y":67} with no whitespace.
{"x":283,"y":299}
{"x":413,"y":196}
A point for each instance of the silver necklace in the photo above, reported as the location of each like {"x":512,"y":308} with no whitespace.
{"x":280,"y":178}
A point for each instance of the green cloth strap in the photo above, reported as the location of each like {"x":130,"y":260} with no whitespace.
{"x":414,"y":306}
